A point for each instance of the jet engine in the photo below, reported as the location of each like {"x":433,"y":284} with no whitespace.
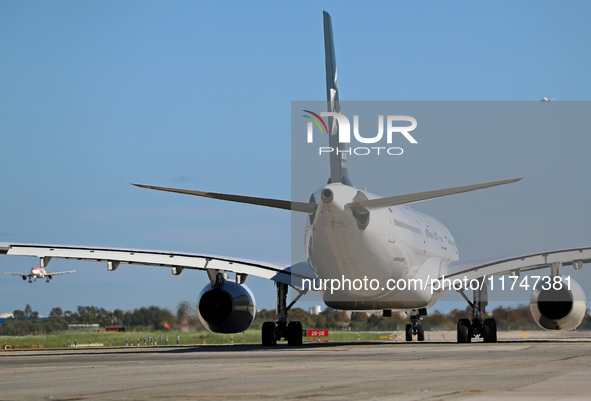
{"x":558,"y":308}
{"x":24,"y":276}
{"x":50,"y":276}
{"x":229,"y":308}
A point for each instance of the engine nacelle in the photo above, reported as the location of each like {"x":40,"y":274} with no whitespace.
{"x":562,"y":309}
{"x":50,"y":276}
{"x":228,"y":309}
{"x":24,"y":276}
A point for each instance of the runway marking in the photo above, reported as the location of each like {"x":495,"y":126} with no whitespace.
{"x":561,"y":393}
{"x":348,"y":349}
{"x":524,"y":335}
{"x":40,"y":368}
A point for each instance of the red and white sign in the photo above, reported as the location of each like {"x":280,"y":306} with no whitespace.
{"x":317,"y":333}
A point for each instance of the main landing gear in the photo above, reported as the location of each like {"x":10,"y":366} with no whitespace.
{"x":275,"y":331}
{"x":487,"y":328}
{"x":415,"y":327}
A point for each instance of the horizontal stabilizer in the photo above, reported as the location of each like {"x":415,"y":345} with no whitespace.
{"x":276,"y":203}
{"x":421,"y":196}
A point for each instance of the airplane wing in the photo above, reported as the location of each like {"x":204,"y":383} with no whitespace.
{"x":17,"y":274}
{"x":58,"y":273}
{"x":515,"y":264}
{"x":176,"y":261}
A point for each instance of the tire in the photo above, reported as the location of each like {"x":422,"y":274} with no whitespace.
{"x":464,"y":332}
{"x":294,"y":333}
{"x":489,"y":332}
{"x":409,"y":332}
{"x":421,"y":333}
{"x":268,"y":334}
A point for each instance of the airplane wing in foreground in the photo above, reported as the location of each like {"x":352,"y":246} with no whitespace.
{"x":515,"y":264}
{"x":176,"y":261}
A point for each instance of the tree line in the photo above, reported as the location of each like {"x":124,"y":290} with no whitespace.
{"x":140,"y":319}
{"x":152,"y":318}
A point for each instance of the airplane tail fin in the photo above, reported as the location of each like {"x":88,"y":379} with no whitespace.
{"x":338,"y":160}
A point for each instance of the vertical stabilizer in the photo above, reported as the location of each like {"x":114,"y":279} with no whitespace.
{"x":338,"y":159}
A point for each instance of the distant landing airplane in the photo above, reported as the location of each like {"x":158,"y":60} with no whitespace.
{"x":39,"y":272}
{"x":545,"y":99}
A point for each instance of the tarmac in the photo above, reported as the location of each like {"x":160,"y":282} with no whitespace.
{"x":515,"y":368}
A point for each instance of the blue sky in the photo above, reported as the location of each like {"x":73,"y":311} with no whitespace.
{"x":95,"y":95}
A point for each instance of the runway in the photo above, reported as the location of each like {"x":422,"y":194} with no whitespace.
{"x":524,"y":370}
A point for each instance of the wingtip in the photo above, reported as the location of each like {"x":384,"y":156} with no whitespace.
{"x":509,"y":181}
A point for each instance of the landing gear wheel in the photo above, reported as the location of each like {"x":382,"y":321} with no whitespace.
{"x":489,"y":333}
{"x":268,"y":334}
{"x":464,"y":332}
{"x":294,"y":333}
{"x":421,"y":333}
{"x":409,"y":332}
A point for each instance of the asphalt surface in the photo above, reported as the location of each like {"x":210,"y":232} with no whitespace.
{"x":508,"y":370}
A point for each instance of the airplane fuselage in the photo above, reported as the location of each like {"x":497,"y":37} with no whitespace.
{"x":377,"y":252}
{"x":38,"y":272}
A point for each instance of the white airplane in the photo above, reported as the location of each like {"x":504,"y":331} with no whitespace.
{"x":353,"y":234}
{"x":39,"y":272}
{"x":545,"y":99}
